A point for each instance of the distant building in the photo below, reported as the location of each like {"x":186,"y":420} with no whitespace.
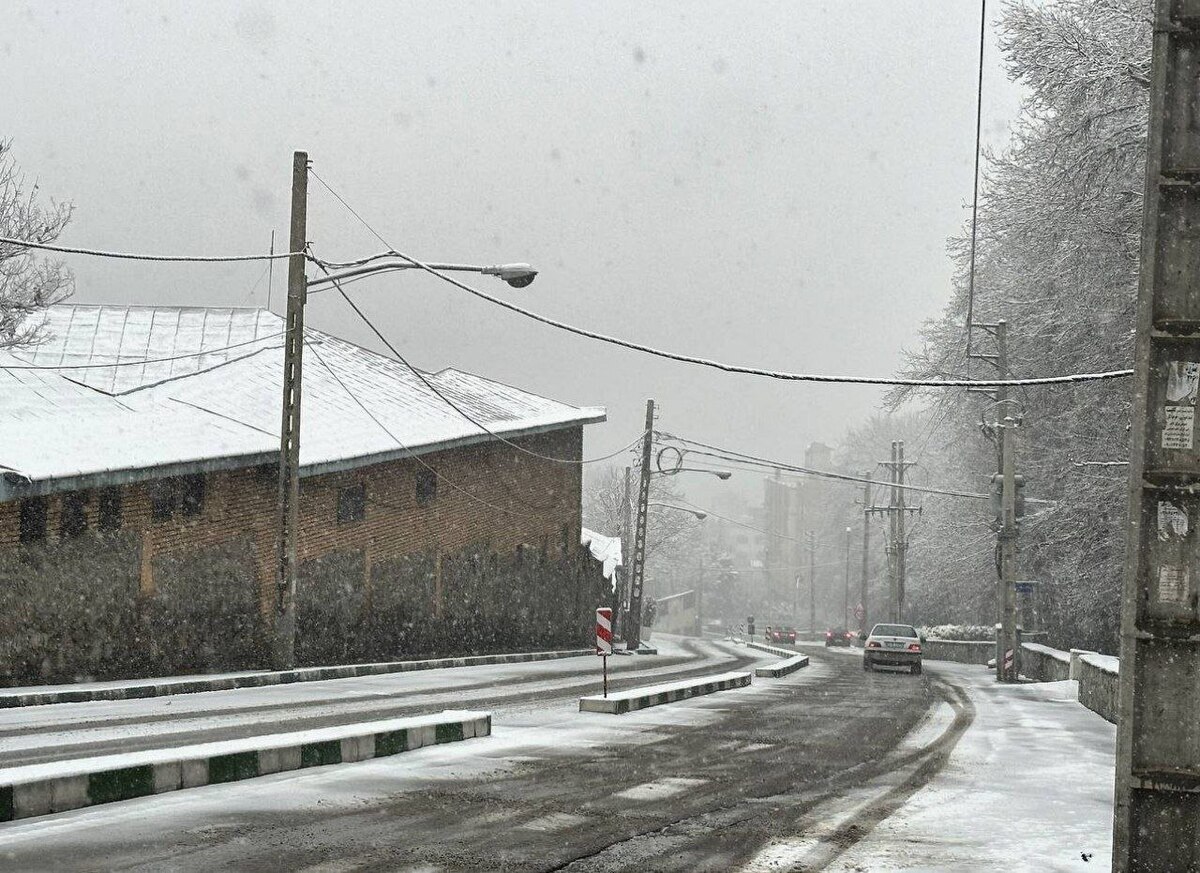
{"x":139,"y":491}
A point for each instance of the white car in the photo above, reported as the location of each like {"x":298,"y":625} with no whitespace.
{"x":893,"y":645}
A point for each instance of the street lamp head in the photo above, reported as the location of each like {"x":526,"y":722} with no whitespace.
{"x":723,"y":474}
{"x":517,"y":275}
{"x":700,"y":516}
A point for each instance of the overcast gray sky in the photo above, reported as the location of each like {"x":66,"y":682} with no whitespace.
{"x":768,"y":183}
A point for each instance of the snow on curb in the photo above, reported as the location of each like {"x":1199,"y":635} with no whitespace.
{"x":40,"y":789}
{"x":225,"y":682}
{"x":621,"y":702}
{"x":778,"y":670}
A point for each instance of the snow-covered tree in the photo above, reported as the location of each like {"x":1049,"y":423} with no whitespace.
{"x":29,"y":282}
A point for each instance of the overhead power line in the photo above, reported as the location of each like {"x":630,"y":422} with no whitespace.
{"x":719,"y":365}
{"x":769,"y":464}
{"x":428,"y":384}
{"x":132,"y":256}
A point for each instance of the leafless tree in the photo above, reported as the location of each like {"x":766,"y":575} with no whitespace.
{"x":28,"y":282}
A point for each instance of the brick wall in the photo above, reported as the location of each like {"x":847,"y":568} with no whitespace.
{"x":492,"y":563}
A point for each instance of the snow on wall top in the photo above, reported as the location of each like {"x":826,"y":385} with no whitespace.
{"x":207,"y":405}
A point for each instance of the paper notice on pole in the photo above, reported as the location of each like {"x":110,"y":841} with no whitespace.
{"x":1183,"y":381}
{"x":1172,"y":520}
{"x":1178,"y":425}
{"x":1174,"y":586}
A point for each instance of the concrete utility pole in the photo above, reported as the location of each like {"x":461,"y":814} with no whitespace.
{"x":1157,"y":814}
{"x":897,"y":547}
{"x":634,"y":618}
{"x":623,"y":572}
{"x":866,"y":561}
{"x":1006,"y":423}
{"x":284,"y":654}
{"x":812,"y":583}
{"x":846,"y":604}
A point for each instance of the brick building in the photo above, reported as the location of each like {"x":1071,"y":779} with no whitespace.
{"x":138,"y":500}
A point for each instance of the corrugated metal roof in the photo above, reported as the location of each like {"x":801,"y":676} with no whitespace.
{"x":205,"y":406}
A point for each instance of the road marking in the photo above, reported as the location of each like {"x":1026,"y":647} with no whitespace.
{"x":660,"y":789}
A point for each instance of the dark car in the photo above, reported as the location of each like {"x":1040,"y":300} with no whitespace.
{"x":781,"y":635}
{"x":838,"y":637}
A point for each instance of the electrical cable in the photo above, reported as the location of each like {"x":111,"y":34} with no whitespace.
{"x":140,"y":362}
{"x":975,"y":194}
{"x":428,"y":384}
{"x":767,"y":463}
{"x":400,"y":442}
{"x":129,"y":256}
{"x":719,"y":365}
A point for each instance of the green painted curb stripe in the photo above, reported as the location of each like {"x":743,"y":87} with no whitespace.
{"x":232,"y":767}
{"x":8,"y":807}
{"x":391,"y":743}
{"x":121,"y":784}
{"x":319,"y":754}
{"x":451,"y":732}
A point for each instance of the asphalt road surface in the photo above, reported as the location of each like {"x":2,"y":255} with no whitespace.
{"x":783,"y":775}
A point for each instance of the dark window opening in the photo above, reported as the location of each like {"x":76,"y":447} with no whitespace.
{"x":72,"y":515}
{"x":108,"y":510}
{"x":426,"y":487}
{"x":352,"y":504}
{"x":33,"y":519}
{"x":163,"y":498}
{"x":191,"y":494}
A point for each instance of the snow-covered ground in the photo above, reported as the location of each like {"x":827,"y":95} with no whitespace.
{"x":1028,"y":787}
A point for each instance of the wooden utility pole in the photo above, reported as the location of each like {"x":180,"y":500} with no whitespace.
{"x":284,"y":654}
{"x":1157,"y":814}
{"x":634,"y":618}
{"x":864,"y":594}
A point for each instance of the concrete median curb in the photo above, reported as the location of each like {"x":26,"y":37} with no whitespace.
{"x":621,"y":702}
{"x":41,"y":789}
{"x":778,"y":670}
{"x":781,"y":668}
{"x":139,"y":689}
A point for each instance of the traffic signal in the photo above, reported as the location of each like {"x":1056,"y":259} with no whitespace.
{"x":750,"y":626}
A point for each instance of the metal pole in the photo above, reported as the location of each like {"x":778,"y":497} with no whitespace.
{"x":812,"y":583}
{"x":846,"y":597}
{"x":284,"y":654}
{"x":894,"y":545}
{"x":700,"y":600}
{"x":634,"y":619}
{"x":1157,"y":814}
{"x":901,"y":537}
{"x":1008,"y":557}
{"x":866,"y":563}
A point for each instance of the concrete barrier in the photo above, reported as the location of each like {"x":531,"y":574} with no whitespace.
{"x":224,"y":682}
{"x":1044,"y":664}
{"x":960,"y":651}
{"x":40,"y":789}
{"x":781,"y":668}
{"x":621,"y":702}
{"x":1099,"y":678}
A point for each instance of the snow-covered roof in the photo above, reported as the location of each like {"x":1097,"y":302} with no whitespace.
{"x":204,"y":408}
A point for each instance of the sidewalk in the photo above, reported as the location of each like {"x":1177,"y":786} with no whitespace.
{"x":1028,"y":787}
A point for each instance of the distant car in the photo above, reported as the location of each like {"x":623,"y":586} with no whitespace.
{"x":838,"y":637}
{"x":893,"y":645}
{"x":781,"y":635}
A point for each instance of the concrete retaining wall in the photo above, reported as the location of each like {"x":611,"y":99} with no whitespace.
{"x":1044,"y":664}
{"x":960,"y":651}
{"x":1098,"y":682}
